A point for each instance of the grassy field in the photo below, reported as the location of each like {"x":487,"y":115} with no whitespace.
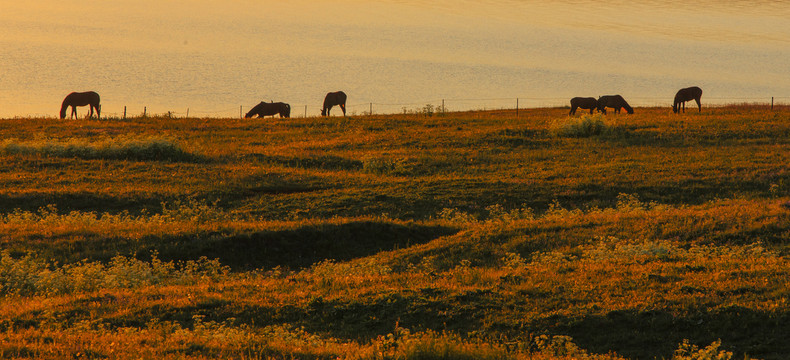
{"x":474,"y":235}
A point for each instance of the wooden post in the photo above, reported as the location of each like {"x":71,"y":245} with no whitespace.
{"x":240,"y":116}
{"x":124,"y":112}
{"x":187,"y":113}
{"x":443,"y":108}
{"x":305,"y":111}
{"x":145,"y":109}
{"x":371,"y":109}
{"x":772,"y":102}
{"x":516,"y":108}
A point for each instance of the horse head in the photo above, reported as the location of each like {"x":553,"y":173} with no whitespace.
{"x":253,"y":111}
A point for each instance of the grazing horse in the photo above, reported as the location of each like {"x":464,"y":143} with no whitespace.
{"x":584,"y":103}
{"x":332,"y":99}
{"x":265,"y":109}
{"x":687,"y":94}
{"x":80,"y":99}
{"x":613,"y":101}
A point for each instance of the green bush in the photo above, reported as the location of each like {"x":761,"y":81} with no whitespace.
{"x":584,"y":126}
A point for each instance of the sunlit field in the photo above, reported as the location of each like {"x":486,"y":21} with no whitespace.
{"x":428,"y":235}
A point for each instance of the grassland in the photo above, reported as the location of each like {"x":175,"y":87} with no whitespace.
{"x":461,"y":236}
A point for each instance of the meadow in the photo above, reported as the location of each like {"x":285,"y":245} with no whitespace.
{"x":471,"y":235}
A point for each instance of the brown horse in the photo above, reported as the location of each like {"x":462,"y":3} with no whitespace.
{"x":613,"y":101}
{"x":687,"y":94}
{"x":584,"y":103}
{"x":81,"y":99}
{"x":266,"y":109}
{"x":332,"y":99}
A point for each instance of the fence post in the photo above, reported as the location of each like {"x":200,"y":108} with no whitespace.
{"x":516,"y":108}
{"x":145,"y":109}
{"x":443,"y":108}
{"x":124,"y":112}
{"x":305,"y":111}
{"x":371,"y":109}
{"x":240,"y":117}
{"x":187,"y":113}
{"x":772,"y":102}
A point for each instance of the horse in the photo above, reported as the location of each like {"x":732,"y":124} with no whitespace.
{"x":613,"y":101}
{"x":81,"y":99}
{"x":272,"y":108}
{"x":584,"y":103}
{"x":332,"y":99}
{"x":687,"y":94}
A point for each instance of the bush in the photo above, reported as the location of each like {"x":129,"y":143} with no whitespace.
{"x":584,"y":126}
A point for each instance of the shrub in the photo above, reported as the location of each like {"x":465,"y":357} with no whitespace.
{"x":584,"y":126}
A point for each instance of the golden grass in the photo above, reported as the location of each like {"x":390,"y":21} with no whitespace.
{"x":464,"y":235}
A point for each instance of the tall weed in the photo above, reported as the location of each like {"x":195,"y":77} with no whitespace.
{"x":29,"y":275}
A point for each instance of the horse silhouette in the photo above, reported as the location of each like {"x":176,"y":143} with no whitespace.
{"x":332,"y":99}
{"x":687,"y":94}
{"x":613,"y":101}
{"x":81,"y":99}
{"x":584,"y":103}
{"x":266,"y":109}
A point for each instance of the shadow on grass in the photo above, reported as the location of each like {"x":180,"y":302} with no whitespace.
{"x":81,"y":201}
{"x":302,"y":247}
{"x":326,"y":162}
{"x":648,"y":334}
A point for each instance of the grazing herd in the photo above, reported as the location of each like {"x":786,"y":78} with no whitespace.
{"x":617,"y":102}
{"x":331,"y":99}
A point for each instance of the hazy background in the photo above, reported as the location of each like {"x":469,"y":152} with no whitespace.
{"x":215,"y":56}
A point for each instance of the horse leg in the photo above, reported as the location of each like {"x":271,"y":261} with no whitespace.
{"x":73,"y":112}
{"x":573,"y":111}
{"x":91,"y":114}
{"x":591,"y":110}
{"x":699,"y":104}
{"x":343,"y":107}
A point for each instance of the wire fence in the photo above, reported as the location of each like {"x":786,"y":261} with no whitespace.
{"x":437,"y":105}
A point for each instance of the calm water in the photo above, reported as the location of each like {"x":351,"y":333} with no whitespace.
{"x":213,"y":56}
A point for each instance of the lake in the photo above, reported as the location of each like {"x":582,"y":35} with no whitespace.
{"x":213,"y":57}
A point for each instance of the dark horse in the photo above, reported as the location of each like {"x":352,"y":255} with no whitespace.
{"x":687,"y":94}
{"x":332,"y":99}
{"x":265,"y":109}
{"x":613,"y":101}
{"x":80,"y":99}
{"x":584,"y":103}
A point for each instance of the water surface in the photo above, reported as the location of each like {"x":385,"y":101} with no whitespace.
{"x":212,"y":57}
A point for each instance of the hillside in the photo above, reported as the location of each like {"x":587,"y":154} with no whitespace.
{"x":460,"y":235}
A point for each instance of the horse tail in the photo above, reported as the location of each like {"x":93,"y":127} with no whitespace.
{"x":287,"y":110}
